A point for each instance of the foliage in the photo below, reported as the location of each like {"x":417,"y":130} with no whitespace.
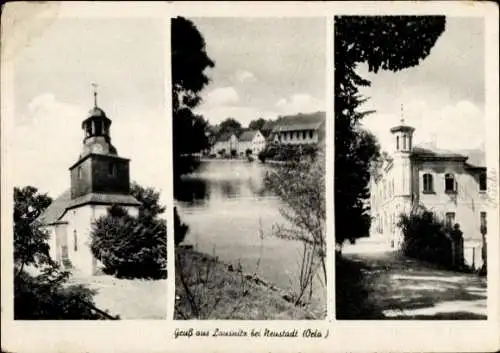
{"x":150,"y":201}
{"x":426,"y":238}
{"x":130,"y":247}
{"x":48,"y":297}
{"x":233,"y":153}
{"x":42,"y":293}
{"x":30,"y":242}
{"x":189,"y":62}
{"x":257,"y":124}
{"x":285,"y":152}
{"x":300,"y":184}
{"x":230,"y":125}
{"x":382,"y":42}
{"x":248,"y":152}
{"x":180,"y":229}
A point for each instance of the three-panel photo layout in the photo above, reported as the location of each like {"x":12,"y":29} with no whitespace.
{"x":227,"y":129}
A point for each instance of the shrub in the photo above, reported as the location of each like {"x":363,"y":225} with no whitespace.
{"x":233,"y":153}
{"x":426,"y":238}
{"x":262,"y":156}
{"x":248,"y":152}
{"x":47,"y":297}
{"x":130,"y":247}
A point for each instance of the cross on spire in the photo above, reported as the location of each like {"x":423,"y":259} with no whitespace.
{"x":402,"y":116}
{"x":94,"y":86}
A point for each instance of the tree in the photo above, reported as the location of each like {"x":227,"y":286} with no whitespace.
{"x":133,"y":247}
{"x":230,"y":125}
{"x":257,"y":124}
{"x":150,"y":201}
{"x":189,"y":62}
{"x":300,"y":184}
{"x":382,"y":42}
{"x":30,"y":242}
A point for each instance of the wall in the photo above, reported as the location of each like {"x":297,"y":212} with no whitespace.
{"x":81,"y":185}
{"x":467,"y":203}
{"x":103,"y":181}
{"x":297,"y":137}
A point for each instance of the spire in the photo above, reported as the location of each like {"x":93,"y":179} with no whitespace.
{"x":94,"y":85}
{"x":402,"y":120}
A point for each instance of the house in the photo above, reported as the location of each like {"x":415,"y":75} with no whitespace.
{"x":227,"y":142}
{"x":252,"y":140}
{"x":450,"y":184}
{"x":98,"y":179}
{"x":299,"y":129}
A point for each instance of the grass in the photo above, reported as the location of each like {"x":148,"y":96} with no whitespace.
{"x":209,"y":289}
{"x":129,"y":298}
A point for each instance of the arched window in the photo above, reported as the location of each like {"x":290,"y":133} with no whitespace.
{"x":428,"y":187}
{"x":397,"y":143}
{"x":404,"y":142}
{"x":75,"y":241}
{"x":482,"y":181}
{"x":449,"y":183}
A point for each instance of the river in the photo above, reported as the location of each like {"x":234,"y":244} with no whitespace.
{"x":231,"y":215}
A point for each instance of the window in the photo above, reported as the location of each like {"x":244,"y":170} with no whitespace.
{"x":449,"y":183}
{"x":75,"y":241}
{"x":112,"y":169}
{"x":482,"y":181}
{"x":303,"y":135}
{"x":483,"y":222}
{"x":404,"y":142}
{"x":311,"y":134}
{"x":428,"y":187}
{"x":397,"y":143}
{"x":450,"y":219}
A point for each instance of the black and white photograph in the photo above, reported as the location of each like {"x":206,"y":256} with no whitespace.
{"x":89,"y":152}
{"x":412,"y":189}
{"x":249,"y":118}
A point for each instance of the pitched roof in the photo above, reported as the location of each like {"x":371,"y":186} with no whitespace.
{"x":56,"y":209}
{"x":248,"y":135}
{"x":64,"y":202}
{"x":268,"y":125}
{"x":473,"y":157}
{"x":225,"y":137}
{"x":311,"y":121}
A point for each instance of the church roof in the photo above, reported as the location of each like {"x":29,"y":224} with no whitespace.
{"x":96,"y":112}
{"x":61,"y":204}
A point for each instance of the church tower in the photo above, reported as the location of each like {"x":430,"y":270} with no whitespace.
{"x":99,"y":169}
{"x":402,"y":148}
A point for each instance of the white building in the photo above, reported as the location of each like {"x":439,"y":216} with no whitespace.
{"x":450,"y":184}
{"x":252,"y":140}
{"x":226,"y":143}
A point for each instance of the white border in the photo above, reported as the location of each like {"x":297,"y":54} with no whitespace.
{"x":367,"y":336}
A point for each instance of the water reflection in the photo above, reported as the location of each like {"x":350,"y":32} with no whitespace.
{"x":228,"y":210}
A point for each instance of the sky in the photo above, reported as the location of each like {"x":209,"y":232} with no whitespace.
{"x":53,"y":72}
{"x":264,"y":67}
{"x":443,"y":98}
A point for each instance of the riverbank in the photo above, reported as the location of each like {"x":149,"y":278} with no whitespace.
{"x":207,"y":288}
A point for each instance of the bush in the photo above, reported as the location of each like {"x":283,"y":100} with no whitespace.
{"x":248,"y":152}
{"x":262,"y":156}
{"x":233,"y":153}
{"x":46,"y":297}
{"x":130,"y":247}
{"x":426,"y":238}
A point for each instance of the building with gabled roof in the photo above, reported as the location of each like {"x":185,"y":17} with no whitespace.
{"x":300,"y":128}
{"x":251,"y":140}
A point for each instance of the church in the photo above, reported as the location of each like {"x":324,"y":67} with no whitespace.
{"x":450,"y":184}
{"x":99,"y":178}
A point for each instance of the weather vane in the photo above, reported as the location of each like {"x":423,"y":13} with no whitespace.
{"x":94,"y":85}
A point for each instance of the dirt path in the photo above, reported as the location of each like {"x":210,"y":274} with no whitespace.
{"x":402,"y":288}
